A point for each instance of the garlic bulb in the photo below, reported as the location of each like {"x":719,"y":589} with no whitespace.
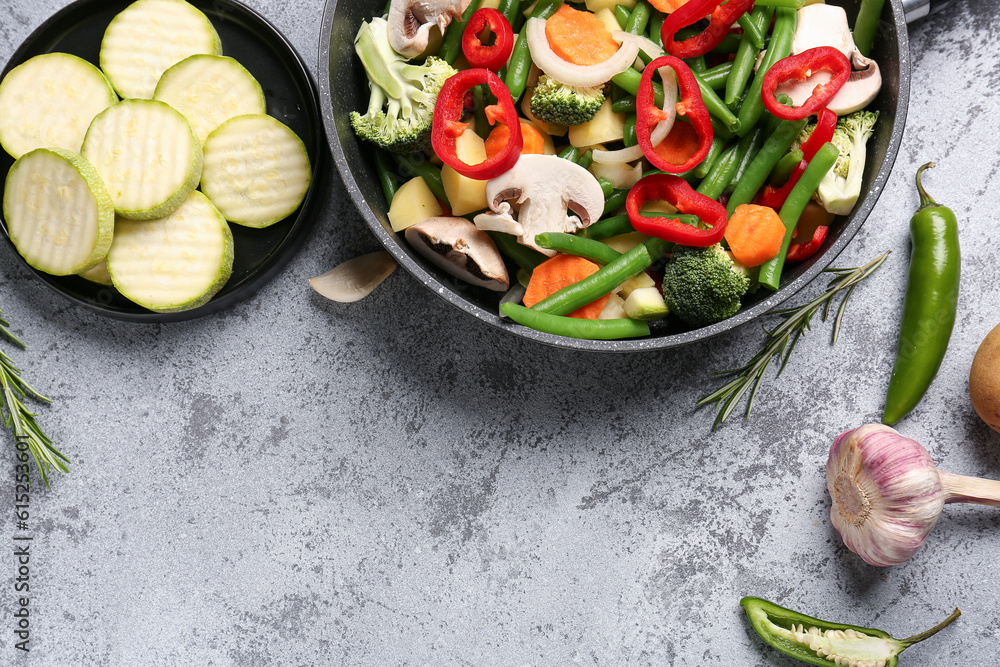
{"x":887,"y":494}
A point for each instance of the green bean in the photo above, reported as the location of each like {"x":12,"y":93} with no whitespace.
{"x":570,"y":153}
{"x":752,"y":31}
{"x":630,"y":137}
{"x":715,"y":105}
{"x":715,"y":77}
{"x":451,"y":45}
{"x":479,"y":101}
{"x":519,"y":64}
{"x":822,"y":162}
{"x":575,"y":327}
{"x":586,"y":159}
{"x":656,"y":28}
{"x":388,"y":4}
{"x":729,"y":44}
{"x":616,"y":200}
{"x":768,"y":156}
{"x":386,"y":169}
{"x":697,"y":64}
{"x":622,"y":15}
{"x":754,"y":142}
{"x":417,"y":165}
{"x":629,"y":80}
{"x":580,"y":246}
{"x":791,"y":4}
{"x":746,"y":58}
{"x":780,"y":46}
{"x":606,"y":187}
{"x":639,"y":18}
{"x":718,"y":143}
{"x":783,"y":169}
{"x":714,"y":184}
{"x":869,"y":15}
{"x":604,"y":280}
{"x":720,"y":130}
{"x":624,"y":105}
{"x":509,"y":9}
{"x":608,"y":227}
{"x":526,"y":257}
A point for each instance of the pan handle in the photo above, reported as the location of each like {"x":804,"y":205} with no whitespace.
{"x":918,"y":9}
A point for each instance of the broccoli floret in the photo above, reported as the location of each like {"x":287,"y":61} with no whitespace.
{"x":401,"y":108}
{"x":555,"y":102}
{"x":703,"y":285}
{"x":840,"y":188}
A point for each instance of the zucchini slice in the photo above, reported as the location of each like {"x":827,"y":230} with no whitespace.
{"x":175,"y":263}
{"x":209,"y":90}
{"x":59,"y":215}
{"x":147,"y":38}
{"x":256,"y":171}
{"x":148,"y":156}
{"x":99,"y":274}
{"x":48,"y":102}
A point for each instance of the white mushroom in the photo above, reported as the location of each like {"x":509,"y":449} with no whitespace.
{"x":410,"y":22}
{"x":459,"y":248}
{"x":826,"y":25}
{"x":546,"y":187}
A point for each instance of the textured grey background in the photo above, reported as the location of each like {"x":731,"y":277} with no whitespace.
{"x":299,"y":482}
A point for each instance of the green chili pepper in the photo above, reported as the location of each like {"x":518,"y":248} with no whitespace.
{"x":580,"y":246}
{"x":573,"y":327}
{"x":519,"y":64}
{"x":603,"y":281}
{"x":451,"y":45}
{"x":386,"y":169}
{"x":827,"y":644}
{"x":527,"y":257}
{"x":605,"y":229}
{"x":768,"y":156}
{"x":929,"y":305}
{"x":822,"y":162}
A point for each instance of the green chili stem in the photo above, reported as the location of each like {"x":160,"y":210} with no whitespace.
{"x":925,"y":199}
{"x":910,"y":641}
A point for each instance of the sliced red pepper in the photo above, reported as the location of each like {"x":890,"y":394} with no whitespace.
{"x":675,"y":191}
{"x":798,"y":252}
{"x":690,"y":104}
{"x":494,"y":56}
{"x":448,"y":125}
{"x":799,"y":68}
{"x":722,"y":19}
{"x":825,"y":126}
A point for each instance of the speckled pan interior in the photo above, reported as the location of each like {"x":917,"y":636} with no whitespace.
{"x":343,"y":89}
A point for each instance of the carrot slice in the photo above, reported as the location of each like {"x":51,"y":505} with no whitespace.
{"x":667,"y":6}
{"x":534,"y":142}
{"x":562,"y":271}
{"x":579,"y":37}
{"x":680,"y":144}
{"x":754,"y":234}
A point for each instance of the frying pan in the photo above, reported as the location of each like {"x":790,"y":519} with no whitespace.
{"x":344,"y":88}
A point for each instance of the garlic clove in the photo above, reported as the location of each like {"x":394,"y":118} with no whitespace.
{"x":355,"y":279}
{"x":887,"y":494}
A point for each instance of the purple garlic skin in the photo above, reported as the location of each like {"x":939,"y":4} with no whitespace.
{"x":887,"y":494}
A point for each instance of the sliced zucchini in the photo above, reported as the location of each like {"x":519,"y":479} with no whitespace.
{"x":59,"y":215}
{"x":99,"y":274}
{"x":256,"y":170}
{"x":49,"y":101}
{"x":175,"y":263}
{"x":209,"y":90}
{"x":147,"y":38}
{"x":148,"y":156}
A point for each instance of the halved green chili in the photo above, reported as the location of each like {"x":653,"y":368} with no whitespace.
{"x":822,"y":162}
{"x":929,"y":306}
{"x":762,"y":165}
{"x":574,"y":327}
{"x":451,"y":45}
{"x":780,"y":46}
{"x":526,"y":257}
{"x":572,"y":244}
{"x":827,"y":644}
{"x":603,"y":281}
{"x":519,"y":65}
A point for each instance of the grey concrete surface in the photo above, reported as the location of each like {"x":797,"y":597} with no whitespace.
{"x":298,"y":482}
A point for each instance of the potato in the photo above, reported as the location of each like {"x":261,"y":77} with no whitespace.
{"x":414,"y":202}
{"x":465,"y":194}
{"x":607,"y":17}
{"x":984,"y":380}
{"x":604,"y":127}
{"x":597,"y":5}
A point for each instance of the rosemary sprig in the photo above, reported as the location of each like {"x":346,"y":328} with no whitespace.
{"x":16,"y":416}
{"x":783,"y":338}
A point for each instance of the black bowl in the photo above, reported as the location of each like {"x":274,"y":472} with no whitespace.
{"x":343,"y":88}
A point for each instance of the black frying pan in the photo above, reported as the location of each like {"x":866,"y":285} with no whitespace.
{"x":343,"y":88}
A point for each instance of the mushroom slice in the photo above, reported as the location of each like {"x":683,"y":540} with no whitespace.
{"x":547,"y":187}
{"x":822,"y":25}
{"x":457,"y":247}
{"x":501,"y":221}
{"x":410,"y":22}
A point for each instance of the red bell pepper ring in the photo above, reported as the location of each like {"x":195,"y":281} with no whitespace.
{"x":825,"y":126}
{"x":494,"y":56}
{"x":799,"y":68}
{"x":648,"y":115}
{"x":799,"y":252}
{"x":722,"y":19}
{"x":448,"y":126}
{"x":675,"y":191}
